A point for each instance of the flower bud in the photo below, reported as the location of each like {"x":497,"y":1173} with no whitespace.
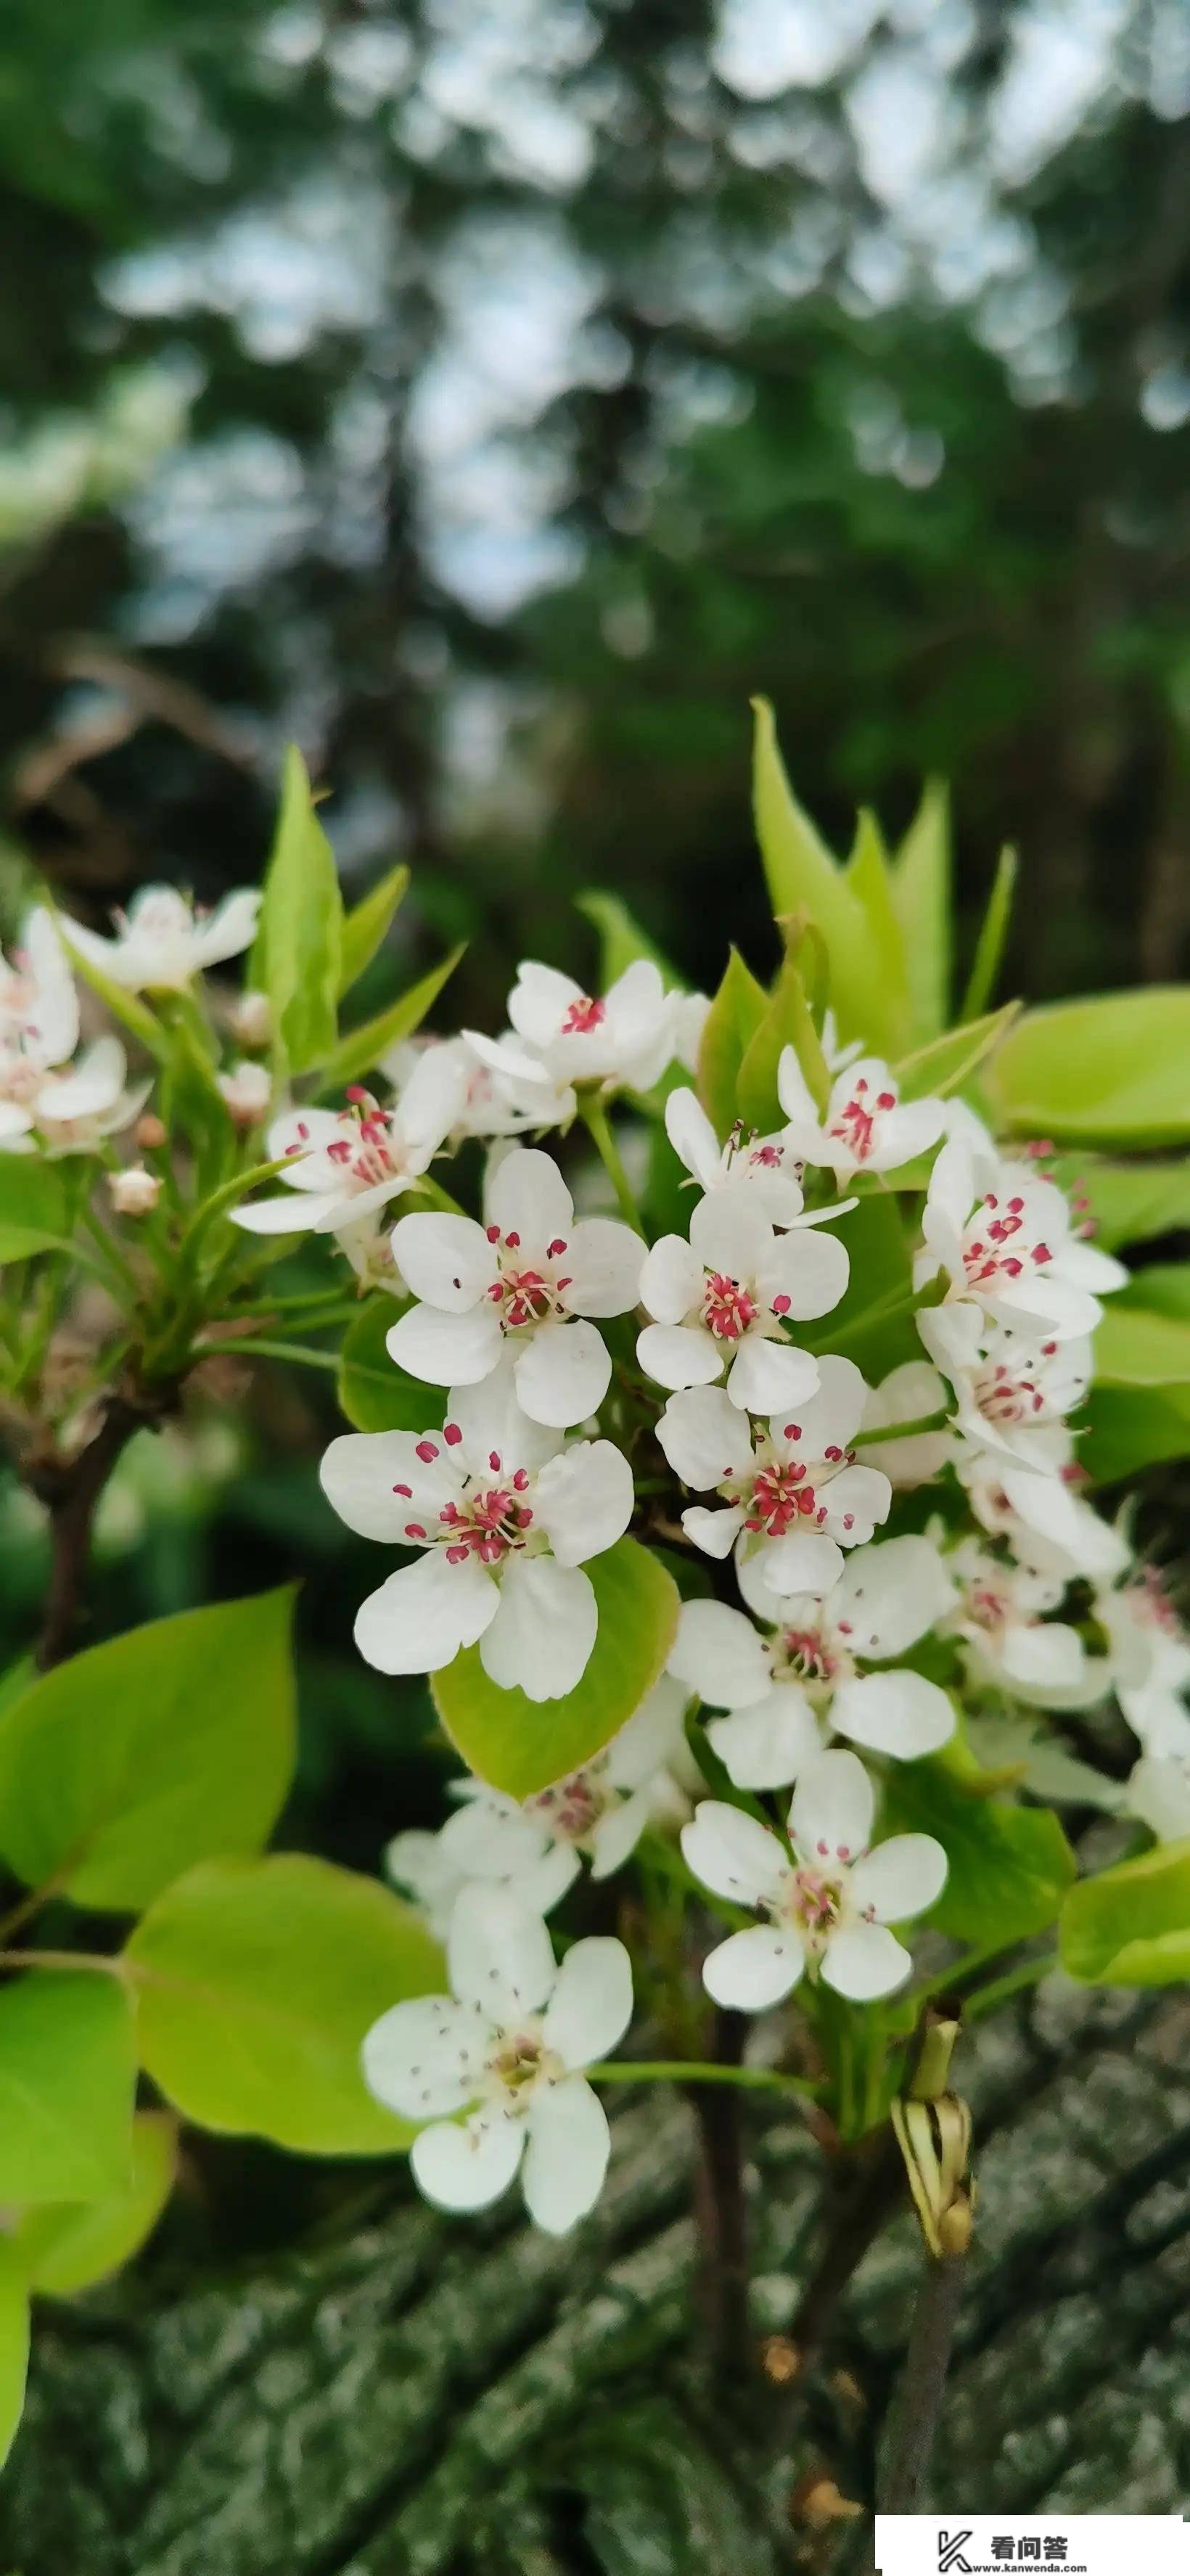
{"x":135,"y":1192}
{"x":252,"y":1019}
{"x":247,"y":1089}
{"x":149,"y":1133}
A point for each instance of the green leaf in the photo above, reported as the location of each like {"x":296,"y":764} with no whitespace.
{"x":14,"y":2348}
{"x":521,"y":1744}
{"x":361,"y":1049}
{"x":621,"y":939}
{"x":373,"y":1392}
{"x":1130,"y":1926}
{"x":803,"y":878}
{"x":366,"y":924}
{"x":993,"y":935}
{"x":64,"y":2246}
{"x":869,"y":877}
{"x":1009,"y":1866}
{"x":949,"y":1061}
{"x":922,"y":900}
{"x":143,"y":1755}
{"x":737,"y":1011}
{"x":1139,"y":1407}
{"x":786,"y":1022}
{"x":257,"y":1980}
{"x":881,"y":1272}
{"x":67,"y":2069}
{"x":1110,"y":1071}
{"x":1130,"y":1202}
{"x":35,"y":1215}
{"x":297,"y":959}
{"x":1128,"y":1428}
{"x":1138,"y":1345}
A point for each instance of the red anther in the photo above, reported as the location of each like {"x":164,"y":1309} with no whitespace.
{"x":886,"y":1100}
{"x":520,"y":1480}
{"x":793,"y":1431}
{"x":427,"y":1451}
{"x":493,"y":1233}
{"x":405,"y":1492}
{"x":303,"y":1130}
{"x":513,"y":1241}
{"x":494,"y":1461}
{"x":781,"y":1305}
{"x":413,"y":1529}
{"x":452,"y":1434}
{"x":833,"y":1454}
{"x":557,"y":1247}
{"x":356,"y":1092}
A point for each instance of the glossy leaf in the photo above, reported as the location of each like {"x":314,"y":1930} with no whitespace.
{"x":67,"y":2068}
{"x":143,"y":1755}
{"x":621,"y":939}
{"x":297,"y":958}
{"x":64,"y":2246}
{"x":1130,"y":1926}
{"x":520,"y":1744}
{"x":361,"y":1050}
{"x":736,"y":1013}
{"x":34,"y":1209}
{"x":786,"y":1022}
{"x":1110,"y":1071}
{"x":374,"y":1393}
{"x":256,"y":1981}
{"x":1139,"y":1345}
{"x":14,"y":2348}
{"x":804,"y":878}
{"x":367,"y":923}
{"x":1130,"y":1202}
{"x":993,"y":938}
{"x":869,"y":877}
{"x":1010,"y":1866}
{"x":949,"y":1061}
{"x":1128,"y":1428}
{"x":922,"y":900}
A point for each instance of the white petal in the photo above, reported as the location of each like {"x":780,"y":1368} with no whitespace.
{"x":864,"y":1960}
{"x":615,"y":1837}
{"x":729,"y":1231}
{"x":649,"y":1737}
{"x":447,"y":1260}
{"x":348,"y":1208}
{"x":766,"y":1746}
{"x":670,"y":1280}
{"x":692,"y":1136}
{"x":754,"y":1968}
{"x":679,"y":1355}
{"x":583,"y":1500}
{"x":419,"y":1619}
{"x":811,"y":1268}
{"x":430,"y":1103}
{"x":764,"y":1375}
{"x":718,"y":1653}
{"x":94,"y":1084}
{"x":361,"y":1471}
{"x":900,"y":1878}
{"x":446,"y":1350}
{"x":467,"y":2165}
{"x":907,"y":1131}
{"x":569,"y":2143}
{"x":290,"y":1215}
{"x":499,"y":1954}
{"x":1046,"y":1657}
{"x":833,"y":1803}
{"x":491,"y":1837}
{"x":703,"y":1438}
{"x":829,"y":1418}
{"x":604,"y":1261}
{"x":789,"y":1565}
{"x":591,"y":2005}
{"x":900,"y":1713}
{"x":498,"y":1435}
{"x":562,"y":1373}
{"x":541,"y":1638}
{"x":732,"y":1854}
{"x":424,"y":2058}
{"x":890,"y":1594}
{"x":793,"y":1090}
{"x":540,"y":1000}
{"x":527,"y":1195}
{"x":855,"y":1500}
{"x":231,"y":927}
{"x":714,"y":1532}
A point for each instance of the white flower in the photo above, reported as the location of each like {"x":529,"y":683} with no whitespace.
{"x":71,"y":1111}
{"x":134,"y":1191}
{"x":346,"y":1163}
{"x":767,"y":1163}
{"x":1003,"y":1616}
{"x":834,"y":1055}
{"x":722,"y":1301}
{"x":826,"y":1909}
{"x":417,"y":1864}
{"x":1013,"y":1392}
{"x":795,"y":1484}
{"x":504,"y":1518}
{"x":563,"y":1036}
{"x":1001,"y":1237}
{"x":39,"y":1015}
{"x":909,"y":1393}
{"x":1158,"y":1792}
{"x":527,"y":1282}
{"x":247,"y":1089}
{"x":492,"y":1101}
{"x":690,"y":1011}
{"x":251,"y":1019}
{"x":537,"y":1844}
{"x":1150,"y":1661}
{"x":789,"y":1686}
{"x":162,"y":942}
{"x":867,"y":1126}
{"x":511,"y":2039}
{"x":1047,"y":1524}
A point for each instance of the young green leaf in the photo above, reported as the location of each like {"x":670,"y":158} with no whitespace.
{"x":297,"y":958}
{"x":521,"y":1744}
{"x":1130,"y":1926}
{"x":1129,"y":1202}
{"x":14,"y":2349}
{"x":1132,"y":1427}
{"x":1140,"y":1345}
{"x":993,"y":935}
{"x":869,"y":878}
{"x":143,"y":1755}
{"x":621,"y":939}
{"x":374,"y":1393}
{"x":64,"y":2246}
{"x":921,"y":893}
{"x":786,"y":1022}
{"x":366,"y":925}
{"x":804,"y":878}
{"x":67,"y":2069}
{"x":34,"y":1215}
{"x":949,"y":1061}
{"x":1109,"y":1071}
{"x":1009,"y":1866}
{"x":256,"y":1981}
{"x":360,"y":1050}
{"x":739,"y":1007}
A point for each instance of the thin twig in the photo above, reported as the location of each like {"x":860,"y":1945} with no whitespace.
{"x":917,"y":2406}
{"x":71,"y":1489}
{"x":719,"y":2207}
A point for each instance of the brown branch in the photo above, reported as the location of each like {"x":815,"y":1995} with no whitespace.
{"x":917,"y":2406}
{"x":719,"y":2207}
{"x":71,"y":1489}
{"x":867,"y":2188}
